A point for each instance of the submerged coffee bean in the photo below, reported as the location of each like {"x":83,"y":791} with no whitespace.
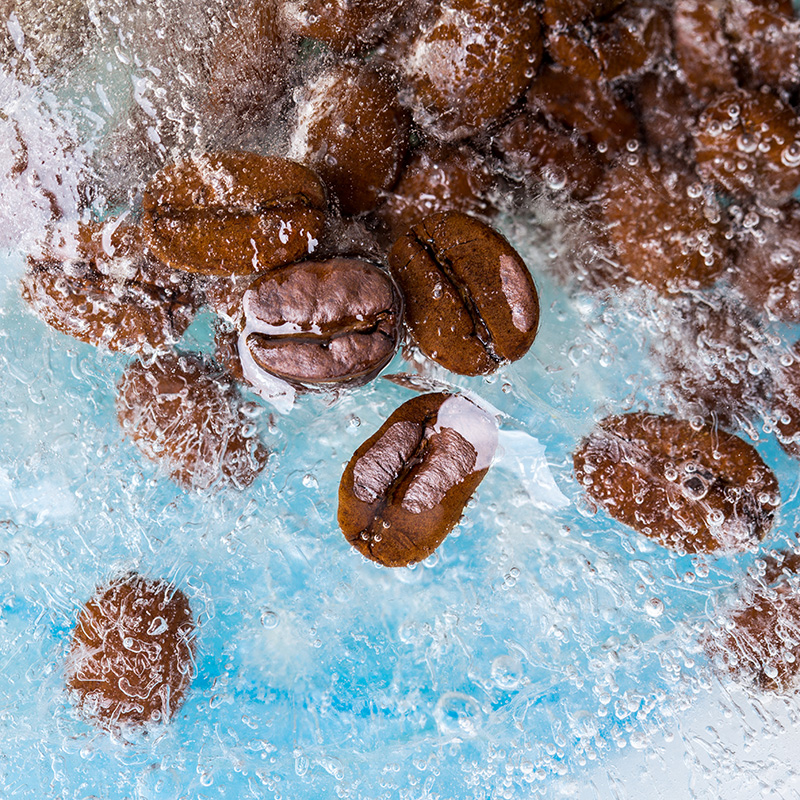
{"x":405,"y":488}
{"x":320,"y":323}
{"x":693,"y":490}
{"x":232,"y":213}
{"x":131,"y":657}
{"x":471,"y":303}
{"x":109,"y":293}
{"x":758,"y":643}
{"x":183,"y":413}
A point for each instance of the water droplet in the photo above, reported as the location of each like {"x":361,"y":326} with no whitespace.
{"x":654,"y":607}
{"x":269,"y":619}
{"x":437,"y":291}
{"x":4,"y":558}
{"x":309,"y":481}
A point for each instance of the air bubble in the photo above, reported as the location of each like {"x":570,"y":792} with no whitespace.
{"x":269,"y":619}
{"x":654,"y":607}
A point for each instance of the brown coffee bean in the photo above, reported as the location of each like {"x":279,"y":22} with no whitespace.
{"x":183,"y":413}
{"x":562,"y":13}
{"x":667,"y":114}
{"x":131,"y":656}
{"x":535,"y":153}
{"x":108,"y":293}
{"x":320,"y":323}
{"x":693,"y":489}
{"x":712,"y":352}
{"x":664,"y":225}
{"x":405,"y":488}
{"x":759,"y":642}
{"x":589,"y":108}
{"x":347,"y":28}
{"x":352,"y":130}
{"x":619,"y":45}
{"x":749,"y":143}
{"x":784,"y":401}
{"x":472,"y":63}
{"x":249,"y":66}
{"x":471,"y":303}
{"x":767,"y":269}
{"x":701,"y":47}
{"x":232,"y":213}
{"x":438,"y":178}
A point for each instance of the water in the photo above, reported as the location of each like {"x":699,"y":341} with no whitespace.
{"x":543,"y":650}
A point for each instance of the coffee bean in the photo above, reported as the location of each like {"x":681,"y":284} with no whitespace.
{"x":749,"y":143}
{"x":536,"y":154}
{"x":131,"y":657}
{"x":320,"y":323}
{"x":471,"y":63}
{"x":248,"y":69}
{"x":345,"y":27}
{"x":183,"y":413}
{"x":471,"y":303}
{"x":439,"y":178}
{"x":664,"y":225}
{"x":701,"y":47}
{"x":622,"y":44}
{"x":111,"y":295}
{"x":767,"y":269}
{"x":352,"y":130}
{"x":693,"y":489}
{"x":232,"y":213}
{"x":405,"y":488}
{"x":590,"y":108}
{"x":758,"y":643}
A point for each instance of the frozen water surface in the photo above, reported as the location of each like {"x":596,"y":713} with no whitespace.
{"x":543,"y":650}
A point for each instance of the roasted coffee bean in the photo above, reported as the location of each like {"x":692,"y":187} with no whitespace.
{"x":767,"y":269}
{"x":619,"y":45}
{"x":749,"y":143}
{"x":345,"y":27}
{"x":352,"y":130}
{"x":131,"y":657}
{"x":666,"y":112}
{"x":405,"y":488}
{"x":471,"y":303}
{"x":472,"y":63}
{"x":664,"y":225}
{"x":320,"y":323}
{"x":701,"y":47}
{"x":589,"y":108}
{"x":759,"y":644}
{"x":784,"y":401}
{"x":108,"y":293}
{"x":183,"y":413}
{"x":249,"y":67}
{"x":438,"y":178}
{"x":232,"y":213}
{"x":561,"y":13}
{"x":693,"y":489}
{"x":712,"y":351}
{"x":765,"y":40}
{"x":535,"y":153}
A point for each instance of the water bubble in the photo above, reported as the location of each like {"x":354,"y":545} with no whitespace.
{"x":310,"y":482}
{"x":790,"y":156}
{"x":269,"y":619}
{"x":506,"y":672}
{"x":4,"y":558}
{"x":654,"y":607}
{"x":437,"y":291}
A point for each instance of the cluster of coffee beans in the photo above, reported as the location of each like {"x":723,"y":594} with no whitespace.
{"x":672,"y":124}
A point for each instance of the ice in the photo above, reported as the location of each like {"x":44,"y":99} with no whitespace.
{"x":542,"y":650}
